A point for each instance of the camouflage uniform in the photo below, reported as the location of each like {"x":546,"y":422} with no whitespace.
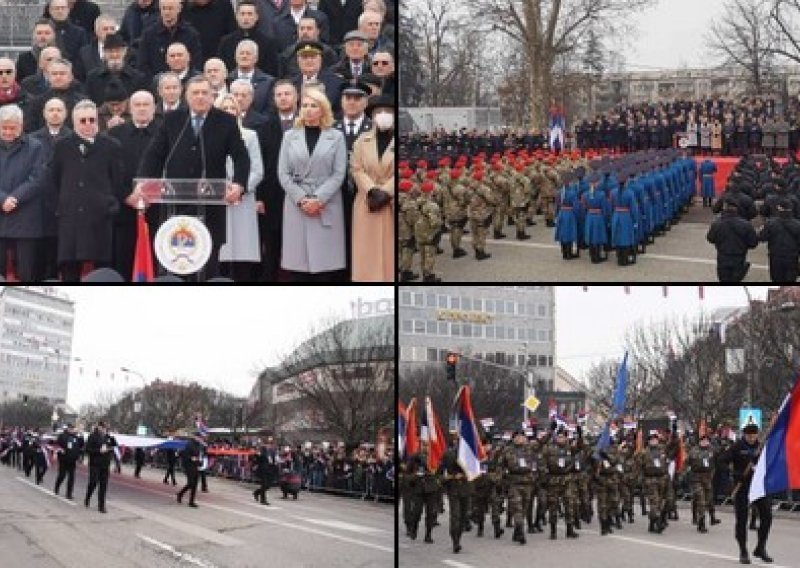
{"x":560,"y":464}
{"x":501,"y":186}
{"x":609,"y":475}
{"x":485,"y":494}
{"x":517,"y":463}
{"x":423,"y":487}
{"x":547,"y":194}
{"x":651,"y":462}
{"x":533,"y":174}
{"x":701,"y":466}
{"x":520,"y":196}
{"x":407,"y":220}
{"x":582,"y":476}
{"x":480,"y":216}
{"x":628,"y":483}
{"x":456,"y":200}
{"x":537,"y":492}
{"x":426,"y":232}
{"x":459,"y":492}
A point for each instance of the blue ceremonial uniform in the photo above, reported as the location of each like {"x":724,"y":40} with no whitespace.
{"x":567,"y":209}
{"x":707,"y":171}
{"x":598,"y":214}
{"x":623,"y":223}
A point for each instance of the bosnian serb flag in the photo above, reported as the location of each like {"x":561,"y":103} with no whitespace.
{"x":778,"y":467}
{"x":470,"y":448}
{"x":432,"y":431}
{"x":401,"y":429}
{"x":412,"y":438}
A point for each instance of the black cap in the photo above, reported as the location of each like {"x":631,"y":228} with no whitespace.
{"x":113,"y":41}
{"x":750,"y":429}
{"x":114,"y":92}
{"x":379,"y":101}
{"x":359,"y":88}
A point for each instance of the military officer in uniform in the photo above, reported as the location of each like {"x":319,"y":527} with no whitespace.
{"x":423,"y":486}
{"x":517,"y":462}
{"x":700,"y":464}
{"x":69,"y":450}
{"x":480,"y":213}
{"x":458,"y":490}
{"x":560,"y":463}
{"x":651,"y":463}
{"x":427,"y":231}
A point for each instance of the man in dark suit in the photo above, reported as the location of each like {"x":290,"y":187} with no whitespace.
{"x":152,"y":54}
{"x":82,"y":13}
{"x":268,"y":11}
{"x":170,"y":90}
{"x":247,"y":18}
{"x":342,"y":15}
{"x":242,"y":91}
{"x":61,"y":85}
{"x":70,"y":38}
{"x":309,"y":60}
{"x":113,"y":69}
{"x":286,"y":24}
{"x":92,"y":54}
{"x":179,"y":61}
{"x":353,"y":123}
{"x":135,"y":136}
{"x":86,"y":171}
{"x":246,"y":58}
{"x":195,"y":143}
{"x":44,"y":34}
{"x":308,"y":30}
{"x":213,"y":20}
{"x":270,"y":194}
{"x":355,"y":62}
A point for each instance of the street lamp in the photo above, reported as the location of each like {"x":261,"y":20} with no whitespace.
{"x":137,"y":405}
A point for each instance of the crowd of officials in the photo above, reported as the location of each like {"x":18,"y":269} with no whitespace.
{"x":308,"y":151}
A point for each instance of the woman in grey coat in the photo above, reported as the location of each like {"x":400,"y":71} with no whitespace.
{"x":311,"y":168}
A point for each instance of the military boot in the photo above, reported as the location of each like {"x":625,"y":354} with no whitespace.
{"x":701,"y":524}
{"x":552,"y":531}
{"x":604,"y":530}
{"x":482,"y":255}
{"x":412,"y":532}
{"x":744,"y":557}
{"x":571,"y":532}
{"x":619,"y":522}
{"x":578,"y":523}
{"x":498,"y":532}
{"x":609,"y":525}
{"x":714,"y":519}
{"x":630,"y":517}
{"x":499,"y":235}
{"x":428,"y":538}
{"x":459,"y":252}
{"x":522,"y":236}
{"x":652,"y":527}
{"x":456,"y":545}
{"x":467,"y":526}
{"x":431,"y":278}
{"x":480,"y":529}
{"x":408,"y":276}
{"x":537,"y":527}
{"x":761,"y":552}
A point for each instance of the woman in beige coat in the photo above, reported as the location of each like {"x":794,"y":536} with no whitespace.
{"x":372,"y":168}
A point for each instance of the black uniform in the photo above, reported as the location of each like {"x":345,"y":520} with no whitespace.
{"x":190,"y":457}
{"x":732,"y":236}
{"x":266,"y":466}
{"x":71,"y":447}
{"x":782,"y":233}
{"x":40,"y":460}
{"x":458,"y":496}
{"x":170,"y":454}
{"x":742,"y":454}
{"x":100,"y":448}
{"x":138,"y":456}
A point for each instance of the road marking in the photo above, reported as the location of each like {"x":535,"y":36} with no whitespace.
{"x":302,"y":528}
{"x":176,"y":553}
{"x":269,"y":507}
{"x":46,"y":491}
{"x":455,"y":564}
{"x":342,"y":525}
{"x":668,"y":257}
{"x":689,"y":550}
{"x":188,"y":528}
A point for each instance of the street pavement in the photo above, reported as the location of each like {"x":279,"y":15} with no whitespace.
{"x":632,"y":547}
{"x":682,"y":255}
{"x":145,"y":526}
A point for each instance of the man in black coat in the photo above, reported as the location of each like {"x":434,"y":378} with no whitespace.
{"x":213,"y":20}
{"x":270,"y":194}
{"x":286,"y":23}
{"x":89,"y":55}
{"x":86,"y":172}
{"x":100,"y":447}
{"x":178,"y":153}
{"x":190,"y":460}
{"x":732,"y":236}
{"x":44,"y":34}
{"x":70,"y":447}
{"x":247,"y":18}
{"x":266,"y":466}
{"x":782,"y":235}
{"x":114,"y":68}
{"x":355,"y":61}
{"x":82,"y":13}
{"x":308,"y":30}
{"x":342,"y":15}
{"x":137,"y":17}
{"x":134,"y":136}
{"x":309,"y":60}
{"x":62,"y":85}
{"x":171,"y":461}
{"x":152,"y":53}
{"x":71,"y":38}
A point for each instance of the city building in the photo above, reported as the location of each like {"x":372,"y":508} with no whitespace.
{"x":36,"y":326}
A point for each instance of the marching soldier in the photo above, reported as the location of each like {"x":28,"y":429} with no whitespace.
{"x":407,"y":219}
{"x":426,"y":232}
{"x":547,"y":195}
{"x":100,"y":447}
{"x":608,"y":480}
{"x":458,"y":493}
{"x":456,"y":201}
{"x":651,"y":463}
{"x":701,"y":465}
{"x":559,"y":464}
{"x":628,"y":481}
{"x":501,"y":186}
{"x":517,"y":461}
{"x":70,"y":447}
{"x":480,"y":214}
{"x":744,"y":455}
{"x":520,"y":195}
{"x":423,"y":487}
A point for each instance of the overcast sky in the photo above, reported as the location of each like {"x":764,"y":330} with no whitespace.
{"x":672,"y":34}
{"x":591,"y":325}
{"x":215,"y":335}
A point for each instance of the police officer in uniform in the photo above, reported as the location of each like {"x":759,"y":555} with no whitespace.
{"x":744,"y":455}
{"x":100,"y":447}
{"x":190,"y":457}
{"x":70,"y":447}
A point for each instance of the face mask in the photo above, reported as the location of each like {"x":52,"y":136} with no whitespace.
{"x":384,"y":120}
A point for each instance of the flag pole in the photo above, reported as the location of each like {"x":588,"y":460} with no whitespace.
{"x":749,"y":467}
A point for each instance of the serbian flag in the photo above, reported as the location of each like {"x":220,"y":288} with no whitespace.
{"x":401,"y":429}
{"x":143,"y":258}
{"x":437,"y":443}
{"x":412,"y":437}
{"x":470,"y":448}
{"x":778,"y":467}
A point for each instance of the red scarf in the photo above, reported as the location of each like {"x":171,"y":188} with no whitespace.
{"x":9,"y":95}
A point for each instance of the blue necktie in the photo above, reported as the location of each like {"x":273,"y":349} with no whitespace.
{"x":197,"y":124}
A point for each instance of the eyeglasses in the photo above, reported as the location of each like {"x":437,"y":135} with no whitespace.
{"x":88,"y":119}
{"x":380,"y":62}
{"x":6,"y":71}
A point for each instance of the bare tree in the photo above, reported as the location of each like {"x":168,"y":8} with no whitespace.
{"x":783,"y":18}
{"x":744,"y":38}
{"x":546,"y":29}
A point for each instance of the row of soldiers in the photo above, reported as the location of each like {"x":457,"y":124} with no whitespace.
{"x":511,"y":188}
{"x":563,"y":477}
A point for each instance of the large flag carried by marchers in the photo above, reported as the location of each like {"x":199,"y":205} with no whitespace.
{"x":778,"y":467}
{"x":401,"y":429}
{"x":617,"y":404}
{"x":412,"y":437}
{"x":470,"y":448}
{"x":432,"y":432}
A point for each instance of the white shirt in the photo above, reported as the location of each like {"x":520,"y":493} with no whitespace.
{"x":298,"y":15}
{"x":356,"y":122}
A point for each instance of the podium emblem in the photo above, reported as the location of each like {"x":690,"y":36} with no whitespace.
{"x":183,"y":245}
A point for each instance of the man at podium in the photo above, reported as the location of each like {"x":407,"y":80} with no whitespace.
{"x":193,"y":144}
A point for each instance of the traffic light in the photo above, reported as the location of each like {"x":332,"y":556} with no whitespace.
{"x":452,"y":360}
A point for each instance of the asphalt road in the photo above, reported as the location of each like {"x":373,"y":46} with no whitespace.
{"x":682,"y":255}
{"x":632,"y":547}
{"x":145,"y":527}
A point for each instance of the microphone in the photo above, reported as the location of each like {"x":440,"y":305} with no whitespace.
{"x":204,"y":188}
{"x":175,"y":145}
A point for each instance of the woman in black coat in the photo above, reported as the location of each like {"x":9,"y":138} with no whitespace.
{"x":86,"y":169}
